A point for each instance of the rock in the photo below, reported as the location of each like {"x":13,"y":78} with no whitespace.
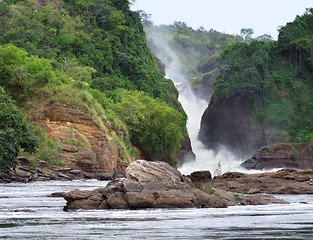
{"x":148,"y":185}
{"x":200,"y":176}
{"x":285,"y":181}
{"x":69,"y":148}
{"x":23,"y":173}
{"x":24,"y":210}
{"x":97,"y":151}
{"x":58,"y":194}
{"x":287,"y":155}
{"x":117,"y":201}
{"x":229,"y":122}
{"x":158,"y":185}
{"x":77,"y":195}
{"x":185,"y":154}
{"x":75,"y":172}
{"x":144,"y":171}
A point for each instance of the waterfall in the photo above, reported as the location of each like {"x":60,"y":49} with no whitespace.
{"x":217,"y":162}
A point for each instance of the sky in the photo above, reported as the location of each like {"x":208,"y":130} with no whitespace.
{"x":227,"y":16}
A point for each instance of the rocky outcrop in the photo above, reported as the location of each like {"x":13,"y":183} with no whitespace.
{"x":288,"y":155}
{"x":148,"y":185}
{"x":286,"y":181}
{"x":203,"y":86}
{"x":185,"y":154}
{"x":157,"y":185}
{"x":229,"y":122}
{"x":86,"y":146}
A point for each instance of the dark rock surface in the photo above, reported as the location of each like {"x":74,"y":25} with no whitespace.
{"x":296,"y":155}
{"x":229,"y":122}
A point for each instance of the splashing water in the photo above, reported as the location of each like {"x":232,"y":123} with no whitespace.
{"x":217,"y":162}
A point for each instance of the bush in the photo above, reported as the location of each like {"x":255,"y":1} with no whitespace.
{"x":14,"y":134}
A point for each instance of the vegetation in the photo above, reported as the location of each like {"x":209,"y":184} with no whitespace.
{"x":276,"y":77}
{"x":14,"y":133}
{"x":92,"y":55}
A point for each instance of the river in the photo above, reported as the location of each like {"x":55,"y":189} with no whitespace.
{"x":48,"y":221}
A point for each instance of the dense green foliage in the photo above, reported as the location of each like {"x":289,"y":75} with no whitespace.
{"x":104,"y":36}
{"x":277,"y":77}
{"x":14,"y":134}
{"x":154,"y":126}
{"x":86,"y":53}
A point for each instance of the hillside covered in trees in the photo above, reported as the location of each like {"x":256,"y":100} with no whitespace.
{"x":89,"y":55}
{"x":264,"y":93}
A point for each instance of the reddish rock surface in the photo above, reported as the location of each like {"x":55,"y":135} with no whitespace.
{"x":86,"y":145}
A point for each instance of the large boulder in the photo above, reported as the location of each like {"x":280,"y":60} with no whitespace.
{"x":288,"y":155}
{"x":148,"y":185}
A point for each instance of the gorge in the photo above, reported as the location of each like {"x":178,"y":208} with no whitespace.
{"x":82,"y":97}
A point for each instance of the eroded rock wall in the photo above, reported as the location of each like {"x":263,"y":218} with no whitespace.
{"x":85,"y":145}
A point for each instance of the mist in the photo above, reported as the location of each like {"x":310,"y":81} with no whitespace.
{"x":216,"y":161}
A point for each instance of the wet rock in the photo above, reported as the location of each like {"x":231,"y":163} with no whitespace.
{"x":24,"y":210}
{"x":285,"y":181}
{"x":158,"y":185}
{"x":230,"y":123}
{"x":58,"y":194}
{"x":200,"y":176}
{"x":148,"y":185}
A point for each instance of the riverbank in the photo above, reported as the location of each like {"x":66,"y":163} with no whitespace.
{"x":30,"y":171}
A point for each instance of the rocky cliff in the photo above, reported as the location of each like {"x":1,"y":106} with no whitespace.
{"x":85,"y":145}
{"x":229,"y":122}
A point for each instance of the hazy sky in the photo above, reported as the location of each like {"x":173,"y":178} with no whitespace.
{"x":229,"y":16}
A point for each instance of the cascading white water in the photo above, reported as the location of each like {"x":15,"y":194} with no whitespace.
{"x":216,"y":162}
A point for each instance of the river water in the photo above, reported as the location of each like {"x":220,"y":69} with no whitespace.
{"x":48,"y":221}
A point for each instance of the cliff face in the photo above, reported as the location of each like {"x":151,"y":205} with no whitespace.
{"x":229,"y":122}
{"x":85,"y":145}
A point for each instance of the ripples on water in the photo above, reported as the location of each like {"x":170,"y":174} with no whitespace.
{"x":48,"y":221}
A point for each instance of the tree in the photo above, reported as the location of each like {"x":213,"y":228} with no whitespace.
{"x":14,"y":134}
{"x":246,"y":34}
